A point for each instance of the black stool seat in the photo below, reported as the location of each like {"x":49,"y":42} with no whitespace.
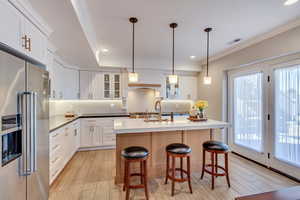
{"x":215,"y":145}
{"x":135,"y":152}
{"x":178,"y":148}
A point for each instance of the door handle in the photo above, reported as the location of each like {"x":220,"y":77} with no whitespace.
{"x":21,"y":111}
{"x":33,"y":135}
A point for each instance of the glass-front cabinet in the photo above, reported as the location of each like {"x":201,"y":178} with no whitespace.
{"x":112,"y":86}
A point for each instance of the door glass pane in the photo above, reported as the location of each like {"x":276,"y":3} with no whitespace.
{"x":287,"y":115}
{"x":248,"y":111}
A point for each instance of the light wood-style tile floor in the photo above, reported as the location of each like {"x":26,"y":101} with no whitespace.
{"x":90,"y":176}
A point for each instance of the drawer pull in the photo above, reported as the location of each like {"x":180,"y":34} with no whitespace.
{"x":55,"y":135}
{"x":55,"y":147}
{"x":54,"y":161}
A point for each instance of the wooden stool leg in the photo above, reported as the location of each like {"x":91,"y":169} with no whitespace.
{"x":125,"y":176}
{"x":167,"y":170}
{"x":189,"y":173}
{"x":128,"y":180}
{"x":142,"y":172}
{"x":145,"y":179}
{"x":173,"y":175}
{"x":203,"y":164}
{"x":216,"y":164}
{"x":212,"y":170}
{"x":226,"y":169}
{"x":181,"y":167}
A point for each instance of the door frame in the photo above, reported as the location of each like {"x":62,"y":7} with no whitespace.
{"x":260,"y":157}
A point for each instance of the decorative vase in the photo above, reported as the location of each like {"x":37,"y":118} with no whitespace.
{"x":201,"y":113}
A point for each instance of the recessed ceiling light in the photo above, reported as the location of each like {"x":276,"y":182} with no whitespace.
{"x":104,"y":50}
{"x":192,"y":57}
{"x":290,"y":2}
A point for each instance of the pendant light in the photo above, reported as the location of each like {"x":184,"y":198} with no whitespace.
{"x":207,"y":79}
{"x":133,"y":76}
{"x":173,"y":79}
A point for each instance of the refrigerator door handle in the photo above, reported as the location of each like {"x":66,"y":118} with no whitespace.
{"x":21,"y":110}
{"x":33,"y":135}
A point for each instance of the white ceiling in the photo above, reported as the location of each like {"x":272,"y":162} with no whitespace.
{"x":230,"y":19}
{"x":67,"y":36}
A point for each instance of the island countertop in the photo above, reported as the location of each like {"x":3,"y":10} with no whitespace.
{"x":122,"y":126}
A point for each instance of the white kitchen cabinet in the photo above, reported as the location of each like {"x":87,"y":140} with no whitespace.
{"x":11,"y":21}
{"x":99,"y":85}
{"x":112,"y":86}
{"x":91,"y":134}
{"x":37,"y":41}
{"x":64,"y":81}
{"x":71,"y":77}
{"x":63,"y":145}
{"x":19,"y":33}
{"x":91,"y":86}
{"x":97,"y":132}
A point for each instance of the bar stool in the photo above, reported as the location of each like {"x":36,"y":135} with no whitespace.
{"x":132,"y":155}
{"x":215,"y":148}
{"x":181,"y":151}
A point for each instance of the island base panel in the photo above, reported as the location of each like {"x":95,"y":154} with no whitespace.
{"x":156,"y":143}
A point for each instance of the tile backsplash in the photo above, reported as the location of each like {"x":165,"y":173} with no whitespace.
{"x":60,"y":107}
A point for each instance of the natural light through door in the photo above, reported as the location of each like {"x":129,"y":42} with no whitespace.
{"x":247,"y":105}
{"x":287,"y":114}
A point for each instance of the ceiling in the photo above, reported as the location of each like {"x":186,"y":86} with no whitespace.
{"x":68,"y":36}
{"x":230,"y":19}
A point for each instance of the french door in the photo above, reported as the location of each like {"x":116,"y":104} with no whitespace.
{"x":264,"y":111}
{"x":285,"y":104}
{"x":247,"y":111}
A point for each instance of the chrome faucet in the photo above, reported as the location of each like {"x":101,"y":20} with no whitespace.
{"x":157,"y":108}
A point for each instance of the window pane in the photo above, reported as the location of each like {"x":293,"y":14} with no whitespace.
{"x":287,"y":115}
{"x":248,"y":111}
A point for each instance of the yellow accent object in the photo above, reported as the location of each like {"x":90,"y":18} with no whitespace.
{"x":201,"y":104}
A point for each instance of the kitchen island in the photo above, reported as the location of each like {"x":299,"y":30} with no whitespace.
{"x":155,"y":136}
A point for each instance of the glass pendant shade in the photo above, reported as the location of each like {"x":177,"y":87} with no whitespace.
{"x":133,"y":77}
{"x":207,"y":80}
{"x":173,"y":79}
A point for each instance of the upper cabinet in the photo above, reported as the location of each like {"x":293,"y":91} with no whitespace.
{"x":36,"y":41}
{"x":11,"y":22}
{"x":64,"y":80}
{"x":100,"y":85}
{"x":19,"y":33}
{"x":112,"y":86}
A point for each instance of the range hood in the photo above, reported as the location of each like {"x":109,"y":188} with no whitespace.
{"x":144,"y":85}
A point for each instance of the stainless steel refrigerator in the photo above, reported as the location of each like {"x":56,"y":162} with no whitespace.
{"x":24,"y":127}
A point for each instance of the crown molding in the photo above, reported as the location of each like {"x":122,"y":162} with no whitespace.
{"x":257,"y":39}
{"x":26,"y":9}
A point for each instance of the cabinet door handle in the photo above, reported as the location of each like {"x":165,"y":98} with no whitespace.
{"x":25,"y":38}
{"x":29,"y":46}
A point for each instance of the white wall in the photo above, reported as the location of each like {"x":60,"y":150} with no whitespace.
{"x":281,"y":48}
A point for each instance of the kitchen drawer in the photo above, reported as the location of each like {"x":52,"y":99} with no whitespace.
{"x":90,"y":122}
{"x":55,"y":169}
{"x":109,"y":139}
{"x":56,"y":149}
{"x":106,"y":122}
{"x":55,"y":141}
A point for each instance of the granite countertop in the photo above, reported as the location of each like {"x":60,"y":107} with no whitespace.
{"x":60,"y":121}
{"x":122,"y":126}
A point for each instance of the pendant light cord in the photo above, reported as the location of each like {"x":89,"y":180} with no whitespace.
{"x":133,"y":47}
{"x":173,"y":52}
{"x":207,"y":53}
